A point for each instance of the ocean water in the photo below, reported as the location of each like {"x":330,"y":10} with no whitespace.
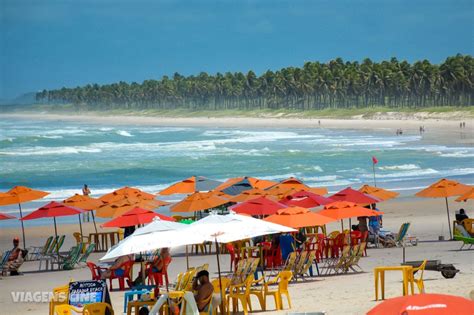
{"x":60,"y":157}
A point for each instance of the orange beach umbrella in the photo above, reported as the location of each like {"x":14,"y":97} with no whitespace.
{"x":468,"y":195}
{"x":200,"y":201}
{"x":85,"y":203}
{"x":293,"y":185}
{"x":117,"y":208}
{"x":191,"y":185}
{"x":444,"y":188}
{"x":298,"y":217}
{"x":135,"y":216}
{"x":378,"y":192}
{"x":344,"y":209}
{"x":19,"y":195}
{"x":127,"y":192}
{"x":236,"y":185}
{"x":252,"y":194}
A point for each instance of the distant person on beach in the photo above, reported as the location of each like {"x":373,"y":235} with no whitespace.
{"x":15,"y":259}
{"x":116,"y":267}
{"x":362,"y":224}
{"x":461,"y":216}
{"x":86,"y":192}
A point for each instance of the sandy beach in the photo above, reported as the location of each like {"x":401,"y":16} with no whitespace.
{"x":322,"y":293}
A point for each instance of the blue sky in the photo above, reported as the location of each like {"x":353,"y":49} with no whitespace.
{"x":51,"y":43}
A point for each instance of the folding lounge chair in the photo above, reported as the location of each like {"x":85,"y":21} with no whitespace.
{"x":460,"y":234}
{"x":37,"y":251}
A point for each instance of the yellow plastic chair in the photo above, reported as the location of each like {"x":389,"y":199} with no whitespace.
{"x":60,"y":297}
{"x":333,"y":234}
{"x":217,"y":290}
{"x":240,"y":293}
{"x":282,"y":280}
{"x":210,"y":309}
{"x":419,"y":282}
{"x":97,"y":309}
{"x":66,"y":309}
{"x":290,"y":262}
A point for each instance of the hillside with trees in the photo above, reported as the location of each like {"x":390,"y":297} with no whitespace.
{"x":336,"y":84}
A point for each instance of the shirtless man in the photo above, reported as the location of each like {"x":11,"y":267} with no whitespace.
{"x":204,"y":289}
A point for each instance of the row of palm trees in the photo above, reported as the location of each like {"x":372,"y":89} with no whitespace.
{"x":336,"y":84}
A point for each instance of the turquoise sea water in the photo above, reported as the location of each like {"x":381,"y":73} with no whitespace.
{"x":60,"y":157}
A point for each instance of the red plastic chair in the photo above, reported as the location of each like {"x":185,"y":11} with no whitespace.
{"x":157,"y":277}
{"x":95,"y":270}
{"x":233,"y":258}
{"x":126,"y":266}
{"x":356,"y":237}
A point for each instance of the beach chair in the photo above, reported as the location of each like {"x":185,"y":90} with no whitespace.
{"x":399,"y":238}
{"x":4,"y":259}
{"x":83,"y":259}
{"x":37,"y":251}
{"x":460,"y":234}
{"x":157,"y":277}
{"x":359,"y":253}
{"x":221,"y":291}
{"x":95,"y":270}
{"x":282,"y":280}
{"x":60,"y":297}
{"x":338,"y":264}
{"x":46,"y":255}
{"x":66,"y":309}
{"x":303,"y":270}
{"x":418,"y":281}
{"x":98,"y":309}
{"x":240,"y":293}
{"x":68,"y":261}
{"x":126,"y":266}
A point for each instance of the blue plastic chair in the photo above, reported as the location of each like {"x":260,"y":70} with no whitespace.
{"x":136,"y":290}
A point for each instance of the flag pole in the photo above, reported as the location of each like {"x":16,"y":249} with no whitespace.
{"x":374,"y":161}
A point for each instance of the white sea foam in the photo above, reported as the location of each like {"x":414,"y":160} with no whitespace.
{"x":162,"y":130}
{"x":51,"y":137}
{"x":123,"y":133}
{"x":458,"y":154}
{"x":400,"y":167}
{"x":106,"y":129}
{"x":39,"y":150}
{"x":410,"y":173}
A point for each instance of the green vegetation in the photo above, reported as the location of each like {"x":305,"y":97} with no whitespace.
{"x":316,"y":86}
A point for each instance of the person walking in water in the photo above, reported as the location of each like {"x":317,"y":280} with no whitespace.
{"x":86,"y":192}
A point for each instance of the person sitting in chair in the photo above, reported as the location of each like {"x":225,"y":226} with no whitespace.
{"x":116,"y":267}
{"x":15,"y":259}
{"x":163,"y":259}
{"x":461,"y":216}
{"x":203,"y":288}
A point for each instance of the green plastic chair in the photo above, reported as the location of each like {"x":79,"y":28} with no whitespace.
{"x":38,"y":251}
{"x":90,"y":248}
{"x":460,"y":234}
{"x":71,"y":260}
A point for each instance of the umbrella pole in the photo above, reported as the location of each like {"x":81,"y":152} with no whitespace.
{"x":220,"y":280}
{"x":187,"y":258}
{"x":93,"y":219}
{"x":22,"y":226}
{"x":449,"y":220}
{"x":56,"y":237}
{"x":80,"y":225}
{"x":342,"y":226}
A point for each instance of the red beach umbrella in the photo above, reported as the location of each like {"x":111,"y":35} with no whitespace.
{"x":305,"y":199}
{"x":258,"y":206}
{"x":52,"y":210}
{"x":355,"y":196}
{"x":425,"y":304}
{"x":136,"y":216}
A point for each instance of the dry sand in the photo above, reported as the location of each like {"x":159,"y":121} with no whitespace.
{"x":323,"y":293}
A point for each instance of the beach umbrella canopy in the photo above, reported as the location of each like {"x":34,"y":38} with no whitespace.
{"x":305,"y":199}
{"x":355,"y":196}
{"x":157,"y":234}
{"x":258,"y":206}
{"x":298,"y":217}
{"x":378,"y":192}
{"x":86,"y":203}
{"x":343,"y":210}
{"x":119,"y":207}
{"x":252,"y":194}
{"x":52,"y":210}
{"x":468,"y":195}
{"x":444,"y":188}
{"x":4,"y":216}
{"x":126,"y":192}
{"x":191,"y":185}
{"x":237,"y":185}
{"x":425,"y":304}
{"x":200,"y":201}
{"x":19,"y":195}
{"x":136,"y":216}
{"x":292,"y":185}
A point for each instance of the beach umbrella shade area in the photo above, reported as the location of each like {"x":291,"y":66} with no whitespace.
{"x":4,"y":216}
{"x":117,"y":208}
{"x":126,"y":192}
{"x":260,"y":206}
{"x":237,"y":185}
{"x":136,"y":216}
{"x":86,"y":203}
{"x":191,"y":185}
{"x":469,"y":195}
{"x":52,"y":210}
{"x":298,"y":217}
{"x":344,"y":210}
{"x":200,"y":201}
{"x":444,"y":188}
{"x":425,"y":304}
{"x":19,"y":195}
{"x":305,"y":199}
{"x":378,"y":192}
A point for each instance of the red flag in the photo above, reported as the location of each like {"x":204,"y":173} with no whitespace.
{"x":374,"y":160}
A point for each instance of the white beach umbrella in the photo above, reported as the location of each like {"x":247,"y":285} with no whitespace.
{"x":157,"y":234}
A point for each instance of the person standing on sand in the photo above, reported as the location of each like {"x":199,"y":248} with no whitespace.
{"x":86,"y":192}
